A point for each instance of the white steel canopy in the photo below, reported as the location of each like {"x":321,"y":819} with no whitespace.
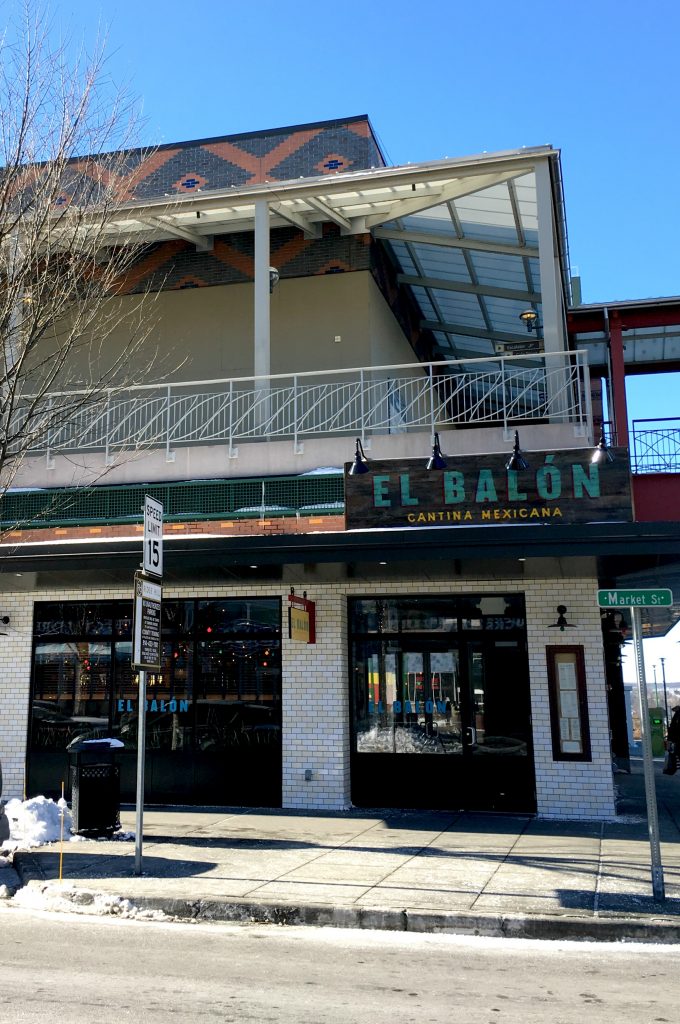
{"x":478,"y":240}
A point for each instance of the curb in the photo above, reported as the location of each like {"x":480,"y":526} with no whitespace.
{"x":504,"y":926}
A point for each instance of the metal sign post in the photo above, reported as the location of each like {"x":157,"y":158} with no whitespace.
{"x":648,"y":760}
{"x":635,"y":600}
{"x":141,"y":751}
{"x":146,"y":646}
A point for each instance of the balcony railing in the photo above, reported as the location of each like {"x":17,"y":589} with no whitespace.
{"x":364,"y":401}
{"x":655,"y":446}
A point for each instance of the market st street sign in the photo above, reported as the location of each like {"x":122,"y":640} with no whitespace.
{"x":615,"y":598}
{"x":558,"y":487}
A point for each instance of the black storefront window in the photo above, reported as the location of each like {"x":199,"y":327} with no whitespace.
{"x":218,"y":693}
{"x":403,"y":615}
{"x":71,"y":693}
{"x":238,"y":618}
{"x":75,"y":618}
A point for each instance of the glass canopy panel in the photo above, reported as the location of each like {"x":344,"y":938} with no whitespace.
{"x":499,"y":270}
{"x":406,"y":264}
{"x":443,"y":341}
{"x":525,"y":191}
{"x":434,"y":221}
{"x":506,"y":215}
{"x":459,"y":308}
{"x":534,"y":269}
{"x":488,"y":215}
{"x":423,"y":300}
{"x":468,"y":347}
{"x":504,"y":315}
{"x":441,"y":262}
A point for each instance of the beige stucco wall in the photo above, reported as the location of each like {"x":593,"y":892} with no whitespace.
{"x":207,"y":333}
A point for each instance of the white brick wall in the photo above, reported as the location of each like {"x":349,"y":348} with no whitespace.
{"x":315,"y":710}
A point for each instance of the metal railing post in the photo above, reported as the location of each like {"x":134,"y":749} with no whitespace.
{"x":169,"y":455}
{"x":295,"y":415}
{"x":233,"y":452}
{"x":588,"y":425}
{"x":430,"y":373}
{"x":505,"y":404}
{"x":107,"y":443}
{"x":362,"y":414}
{"x":49,"y":461}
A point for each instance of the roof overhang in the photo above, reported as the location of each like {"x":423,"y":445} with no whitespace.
{"x":621,"y":541}
{"x":357,"y":201}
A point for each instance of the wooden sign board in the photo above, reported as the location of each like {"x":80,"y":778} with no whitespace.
{"x":477,"y":490}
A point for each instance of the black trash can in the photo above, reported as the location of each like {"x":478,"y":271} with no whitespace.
{"x":95,"y":787}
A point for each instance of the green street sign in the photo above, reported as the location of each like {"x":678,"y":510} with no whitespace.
{"x":618,"y":598}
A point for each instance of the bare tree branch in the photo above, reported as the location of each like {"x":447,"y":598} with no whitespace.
{"x":67,"y":161}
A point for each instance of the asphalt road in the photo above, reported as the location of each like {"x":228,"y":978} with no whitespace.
{"x":67,"y":970}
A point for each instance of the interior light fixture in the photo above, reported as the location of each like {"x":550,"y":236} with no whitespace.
{"x":562,"y":623}
{"x":516,"y":460}
{"x":529,"y":318}
{"x":603,"y":452}
{"x":360,"y":464}
{"x":436,"y":460}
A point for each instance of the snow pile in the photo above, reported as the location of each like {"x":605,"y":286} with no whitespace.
{"x":35,"y":822}
{"x":53,"y":896}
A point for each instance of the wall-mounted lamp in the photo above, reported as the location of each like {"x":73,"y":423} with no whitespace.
{"x":436,"y":460}
{"x":4,"y":619}
{"x":273,"y":279}
{"x":360,"y":464}
{"x":517,"y":460}
{"x":562,"y":623}
{"x":603,"y":452}
{"x":529,"y":318}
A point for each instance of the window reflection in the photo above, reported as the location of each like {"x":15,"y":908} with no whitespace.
{"x":216,"y":693}
{"x":71,"y":694}
{"x":406,"y":702}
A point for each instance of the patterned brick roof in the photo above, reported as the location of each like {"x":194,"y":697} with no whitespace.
{"x":279,"y":154}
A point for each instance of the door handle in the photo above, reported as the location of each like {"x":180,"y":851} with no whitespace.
{"x":472,"y":734}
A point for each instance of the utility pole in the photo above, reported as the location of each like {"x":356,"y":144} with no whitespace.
{"x":663,"y":679}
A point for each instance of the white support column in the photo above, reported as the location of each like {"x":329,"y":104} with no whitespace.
{"x":262,"y":341}
{"x":552,"y":306}
{"x":551,"y":298}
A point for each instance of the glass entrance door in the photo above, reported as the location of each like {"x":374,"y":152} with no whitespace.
{"x":443,"y":722}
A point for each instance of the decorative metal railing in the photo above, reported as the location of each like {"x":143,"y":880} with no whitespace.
{"x":359,"y":402}
{"x":655,"y":445}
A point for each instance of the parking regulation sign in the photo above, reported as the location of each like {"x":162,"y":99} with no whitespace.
{"x":146,"y":625}
{"x":153,"y":536}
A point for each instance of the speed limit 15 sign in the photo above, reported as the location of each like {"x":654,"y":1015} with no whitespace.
{"x":153,"y":536}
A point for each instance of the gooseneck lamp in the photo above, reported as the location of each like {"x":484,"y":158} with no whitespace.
{"x":360,"y":464}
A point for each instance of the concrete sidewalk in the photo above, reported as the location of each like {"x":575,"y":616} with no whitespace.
{"x":416,"y":870}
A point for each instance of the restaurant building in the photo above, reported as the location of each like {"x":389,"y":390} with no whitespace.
{"x":395,"y":470}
